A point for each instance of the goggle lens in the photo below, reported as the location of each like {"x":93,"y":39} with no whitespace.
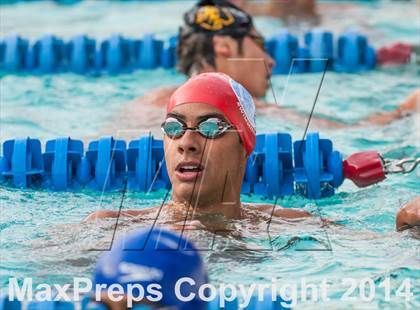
{"x":173,"y":128}
{"x":209,"y":128}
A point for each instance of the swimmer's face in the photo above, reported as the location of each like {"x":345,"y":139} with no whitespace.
{"x":252,"y":66}
{"x":210,"y":170}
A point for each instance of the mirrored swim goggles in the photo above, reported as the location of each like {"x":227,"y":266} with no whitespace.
{"x":209,"y":128}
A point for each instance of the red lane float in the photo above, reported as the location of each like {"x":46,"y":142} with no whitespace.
{"x":364,"y":168}
{"x":396,"y":54}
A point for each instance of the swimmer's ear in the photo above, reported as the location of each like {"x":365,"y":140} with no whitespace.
{"x":224,"y":46}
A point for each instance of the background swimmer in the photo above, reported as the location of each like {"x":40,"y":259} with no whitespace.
{"x":224,"y":39}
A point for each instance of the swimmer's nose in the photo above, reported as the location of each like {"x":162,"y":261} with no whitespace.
{"x":270,"y":63}
{"x":189,"y":143}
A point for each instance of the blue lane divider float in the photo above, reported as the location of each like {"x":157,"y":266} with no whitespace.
{"x":318,"y":169}
{"x":14,"y":54}
{"x":169,"y":57}
{"x":107,"y":160}
{"x":320,"y":49}
{"x":311,"y":168}
{"x":148,"y":52}
{"x":117,"y":54}
{"x":46,"y":55}
{"x":62,"y":159}
{"x":22,"y":161}
{"x":283,"y":48}
{"x":146,"y":165}
{"x":354,"y":53}
{"x":274,"y":176}
{"x":80,"y":52}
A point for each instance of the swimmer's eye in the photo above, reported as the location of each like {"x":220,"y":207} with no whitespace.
{"x":258,"y":40}
{"x":208,"y":128}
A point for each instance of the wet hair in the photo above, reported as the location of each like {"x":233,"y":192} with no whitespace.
{"x":196,"y":49}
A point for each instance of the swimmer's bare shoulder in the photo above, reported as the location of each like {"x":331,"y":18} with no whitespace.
{"x":290,"y":213}
{"x":101,"y":214}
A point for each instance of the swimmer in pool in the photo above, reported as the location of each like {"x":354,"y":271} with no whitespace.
{"x":219,"y":37}
{"x":149,"y":258}
{"x":209,"y":132}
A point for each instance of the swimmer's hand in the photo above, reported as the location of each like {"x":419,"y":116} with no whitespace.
{"x":411,"y":103}
{"x":409,"y":215}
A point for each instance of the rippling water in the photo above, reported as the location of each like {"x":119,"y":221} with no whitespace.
{"x":41,"y":235}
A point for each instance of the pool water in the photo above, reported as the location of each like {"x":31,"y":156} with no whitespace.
{"x":41,"y":235}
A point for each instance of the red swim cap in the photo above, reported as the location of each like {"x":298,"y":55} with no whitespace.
{"x":227,"y":95}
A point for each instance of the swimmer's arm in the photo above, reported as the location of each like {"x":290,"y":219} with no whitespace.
{"x":100,"y":214}
{"x":273,"y":110}
{"x":408,"y":107}
{"x":289,"y":213}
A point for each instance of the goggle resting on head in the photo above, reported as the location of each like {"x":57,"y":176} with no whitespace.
{"x":209,"y":128}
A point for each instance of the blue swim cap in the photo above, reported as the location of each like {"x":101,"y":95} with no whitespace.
{"x":154,"y":256}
